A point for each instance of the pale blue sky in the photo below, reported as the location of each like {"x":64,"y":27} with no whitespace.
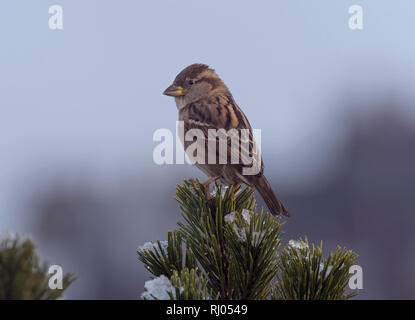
{"x":88,"y":98}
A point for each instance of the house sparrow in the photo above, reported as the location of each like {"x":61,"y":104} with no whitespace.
{"x":204,"y":102}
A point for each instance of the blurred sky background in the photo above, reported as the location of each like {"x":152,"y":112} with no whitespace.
{"x":78,"y":109}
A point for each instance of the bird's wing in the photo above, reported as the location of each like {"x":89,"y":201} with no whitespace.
{"x":222,"y":112}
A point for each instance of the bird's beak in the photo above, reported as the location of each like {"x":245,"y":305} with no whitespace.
{"x":174,"y":91}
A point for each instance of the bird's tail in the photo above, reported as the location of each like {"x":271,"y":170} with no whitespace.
{"x":271,"y":200}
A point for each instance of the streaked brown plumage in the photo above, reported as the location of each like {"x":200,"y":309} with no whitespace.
{"x":204,"y":102}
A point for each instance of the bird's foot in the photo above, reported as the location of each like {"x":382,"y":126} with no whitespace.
{"x":206,"y":185}
{"x":235,"y":189}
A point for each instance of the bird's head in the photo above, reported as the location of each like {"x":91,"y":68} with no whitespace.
{"x":195,"y":82}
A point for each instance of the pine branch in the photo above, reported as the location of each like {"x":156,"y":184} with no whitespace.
{"x":307,"y":275}
{"x":232,"y":251}
{"x":22,"y":277}
{"x":165,"y":257}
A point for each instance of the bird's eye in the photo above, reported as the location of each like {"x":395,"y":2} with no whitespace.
{"x":191,"y":81}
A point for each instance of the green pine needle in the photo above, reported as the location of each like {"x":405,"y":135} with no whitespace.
{"x":225,"y":249}
{"x":22,"y":277}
